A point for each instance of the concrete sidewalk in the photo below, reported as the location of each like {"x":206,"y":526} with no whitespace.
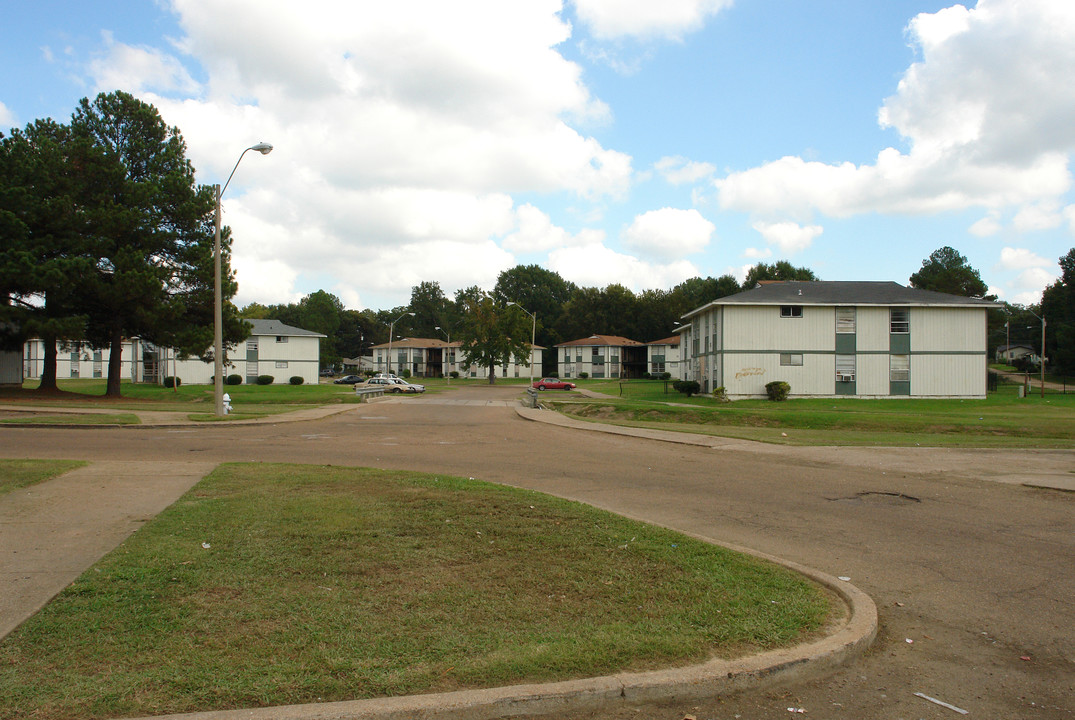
{"x":52,"y":532}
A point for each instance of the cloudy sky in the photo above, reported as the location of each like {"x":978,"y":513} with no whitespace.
{"x":625,"y":141}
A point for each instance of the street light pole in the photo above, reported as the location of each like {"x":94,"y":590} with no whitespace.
{"x":1042,"y":318}
{"x":448,"y":350}
{"x":391,"y":333}
{"x":218,"y":299}
{"x":533,"y":332}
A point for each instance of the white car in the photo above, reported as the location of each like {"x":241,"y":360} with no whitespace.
{"x":394,"y":385}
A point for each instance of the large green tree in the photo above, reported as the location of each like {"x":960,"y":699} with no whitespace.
{"x":491,"y":332}
{"x":781,"y":270}
{"x":43,"y":174}
{"x":1058,"y":309}
{"x":151,"y":238}
{"x":945,"y":270}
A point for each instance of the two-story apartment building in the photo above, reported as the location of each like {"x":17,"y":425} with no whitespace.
{"x":601,"y":356}
{"x":273,"y":348}
{"x":866,"y":339}
{"x":431,"y":357}
{"x":663,"y":356}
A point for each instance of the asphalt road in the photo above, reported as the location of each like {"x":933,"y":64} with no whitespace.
{"x":974,"y":579}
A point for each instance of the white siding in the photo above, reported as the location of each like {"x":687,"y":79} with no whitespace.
{"x":762,"y":327}
{"x":948,"y":375}
{"x":872,"y":330}
{"x":938,"y":329}
{"x":872,"y":374}
{"x":746,"y":374}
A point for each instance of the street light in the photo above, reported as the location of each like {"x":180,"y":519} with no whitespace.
{"x":218,"y":301}
{"x":448,"y":350}
{"x":391,"y":332}
{"x":1042,"y":318}
{"x":533,"y":331}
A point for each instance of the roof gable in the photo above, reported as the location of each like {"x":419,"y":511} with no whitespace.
{"x":603,"y":341}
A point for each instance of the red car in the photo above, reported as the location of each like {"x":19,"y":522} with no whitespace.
{"x":553,"y":384}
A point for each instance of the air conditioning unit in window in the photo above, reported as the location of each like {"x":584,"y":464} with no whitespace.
{"x":845,"y":377}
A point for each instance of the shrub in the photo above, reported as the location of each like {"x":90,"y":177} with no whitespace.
{"x":666,"y":376}
{"x":265,"y":379}
{"x":454,"y":374}
{"x":296,"y":380}
{"x":720,"y":394}
{"x":583,"y":375}
{"x":233,"y":380}
{"x":646,"y":376}
{"x":404,"y":373}
{"x":777,"y":390}
{"x":687,"y":387}
{"x":172,"y":382}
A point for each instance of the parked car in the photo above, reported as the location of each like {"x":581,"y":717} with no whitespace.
{"x":554,"y":384}
{"x":328,"y":372}
{"x":394,"y":385}
{"x":348,"y":380}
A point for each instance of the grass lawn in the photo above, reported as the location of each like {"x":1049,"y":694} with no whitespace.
{"x":1000,"y":420}
{"x":53,"y":418}
{"x":23,"y":473}
{"x":280,"y":584}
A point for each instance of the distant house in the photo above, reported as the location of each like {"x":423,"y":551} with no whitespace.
{"x":1009,"y":353}
{"x":602,"y":356}
{"x":865,"y":339}
{"x":664,"y":356}
{"x":273,"y":348}
{"x":432,"y":357}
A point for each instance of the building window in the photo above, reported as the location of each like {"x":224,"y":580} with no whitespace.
{"x":899,"y":320}
{"x":658,"y":367}
{"x":845,"y":320}
{"x":791,"y":311}
{"x":281,"y":363}
{"x":281,"y":338}
{"x":845,"y":368}
{"x":791,"y":359}
{"x":899,"y":368}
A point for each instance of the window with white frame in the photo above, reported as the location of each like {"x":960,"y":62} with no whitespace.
{"x":845,"y":320}
{"x":281,"y":338}
{"x":791,"y":311}
{"x":281,"y":363}
{"x":845,"y":368}
{"x":899,"y":320}
{"x":791,"y":359}
{"x":899,"y":368}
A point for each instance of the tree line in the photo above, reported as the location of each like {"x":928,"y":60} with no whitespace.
{"x":104,"y":236}
{"x":562,"y":311}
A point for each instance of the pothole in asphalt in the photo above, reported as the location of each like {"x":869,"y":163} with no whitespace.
{"x":876,"y":497}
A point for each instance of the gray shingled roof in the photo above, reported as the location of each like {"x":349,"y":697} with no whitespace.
{"x":843,"y":293}
{"x":275,"y":327}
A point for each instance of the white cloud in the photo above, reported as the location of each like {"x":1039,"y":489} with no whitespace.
{"x":788,"y":236}
{"x":669,"y":233}
{"x":595,"y":265}
{"x":135,"y":69}
{"x":983,"y":130}
{"x":406,"y":130}
{"x":1021,"y":259}
{"x":7,"y":118}
{"x":1045,"y":215}
{"x":989,"y":225}
{"x":1029,"y":284}
{"x":679,"y":170}
{"x":757,"y":254}
{"x":610,"y":19}
{"x":535,"y":232}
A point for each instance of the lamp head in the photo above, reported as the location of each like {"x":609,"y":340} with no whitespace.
{"x":262,"y":147}
{"x":511,"y":302}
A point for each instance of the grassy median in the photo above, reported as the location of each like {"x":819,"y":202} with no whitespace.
{"x":1000,"y":420}
{"x":16,"y":474}
{"x":279,"y":584}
